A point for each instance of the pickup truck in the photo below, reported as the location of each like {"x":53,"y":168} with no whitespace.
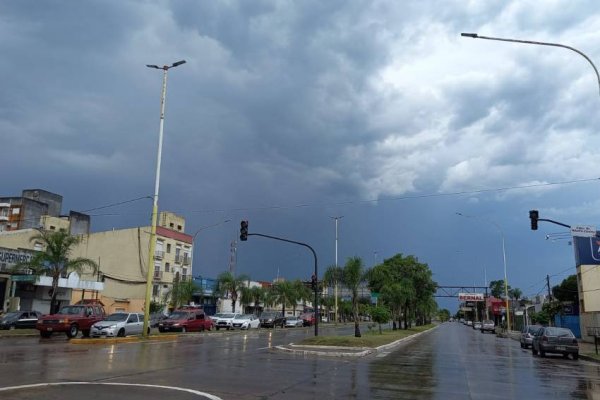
{"x":71,"y":320}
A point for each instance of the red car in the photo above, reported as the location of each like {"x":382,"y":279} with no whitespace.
{"x":186,"y":320}
{"x":308,"y":319}
{"x":70,"y":320}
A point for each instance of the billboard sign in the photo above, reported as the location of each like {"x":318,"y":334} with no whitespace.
{"x":587,"y":250}
{"x":470,"y":297}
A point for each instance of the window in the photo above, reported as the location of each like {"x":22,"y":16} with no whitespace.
{"x":178,"y":227}
{"x":171,"y":225}
{"x":16,"y":210}
{"x":52,"y":227}
{"x":168,"y":247}
{"x":155,"y":290}
{"x":37,"y":246}
{"x":167,"y":267}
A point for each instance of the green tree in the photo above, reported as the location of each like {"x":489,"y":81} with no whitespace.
{"x":55,"y":259}
{"x":497,"y":288}
{"x":284,"y":293}
{"x":353,"y":275}
{"x":444,"y":315}
{"x":332,"y":277}
{"x":182,"y":293}
{"x":303,"y":293}
{"x":258,"y":296}
{"x":227,"y":283}
{"x":515,"y":293}
{"x":245,"y":298}
{"x":381,"y":315}
{"x":567,"y":290}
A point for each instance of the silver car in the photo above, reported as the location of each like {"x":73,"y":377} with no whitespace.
{"x":527,"y":335}
{"x":118,"y":324}
{"x":488,"y":325}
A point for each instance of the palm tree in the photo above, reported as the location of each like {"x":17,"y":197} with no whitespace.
{"x":55,"y":259}
{"x":302,"y":293}
{"x":245,"y":297}
{"x":353,"y":275}
{"x":229,"y":283}
{"x":258,"y":296}
{"x":182,"y":293}
{"x":283,"y":293}
{"x":331,"y":278}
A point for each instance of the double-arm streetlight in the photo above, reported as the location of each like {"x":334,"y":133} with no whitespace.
{"x":477,"y":36}
{"x":503,"y":258}
{"x":150,"y":276}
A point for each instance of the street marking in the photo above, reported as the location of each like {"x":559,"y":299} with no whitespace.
{"x":196,"y":392}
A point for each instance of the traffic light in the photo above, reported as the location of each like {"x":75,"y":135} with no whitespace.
{"x":534,"y":215}
{"x":244,"y":231}
{"x":313,"y":282}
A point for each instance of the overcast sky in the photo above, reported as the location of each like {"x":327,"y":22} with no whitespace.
{"x":290,"y":112}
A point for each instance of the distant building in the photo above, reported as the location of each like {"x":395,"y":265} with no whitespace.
{"x":33,"y":207}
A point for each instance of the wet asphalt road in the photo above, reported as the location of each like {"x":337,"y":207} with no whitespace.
{"x":451,"y":362}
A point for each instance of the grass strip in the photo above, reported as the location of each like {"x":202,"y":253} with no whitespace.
{"x":370,"y":338}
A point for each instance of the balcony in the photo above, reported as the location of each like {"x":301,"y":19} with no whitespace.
{"x":187,"y":260}
{"x":159,"y":255}
{"x":178,"y":259}
{"x":185,"y":278}
{"x":158,"y":275}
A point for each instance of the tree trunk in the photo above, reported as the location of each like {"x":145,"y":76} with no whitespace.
{"x":355,"y":312}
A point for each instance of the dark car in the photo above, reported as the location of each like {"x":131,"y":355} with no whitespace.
{"x":20,"y":320}
{"x":271,"y":319}
{"x":555,"y":340}
{"x":155,"y":319}
{"x":527,"y":335}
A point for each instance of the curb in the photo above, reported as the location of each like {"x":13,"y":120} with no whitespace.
{"x":588,"y":358}
{"x":364,"y":351}
{"x":131,"y":339}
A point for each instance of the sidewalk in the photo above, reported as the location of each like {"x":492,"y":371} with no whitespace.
{"x":587,"y":350}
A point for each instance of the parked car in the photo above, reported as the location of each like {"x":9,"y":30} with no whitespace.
{"x":293,"y":322}
{"x":156,"y":318}
{"x":71,"y":320}
{"x":469,"y":323}
{"x":527,"y":335}
{"x":488,"y":326}
{"x":271,"y":319}
{"x":216,"y":317}
{"x":119,"y":324}
{"x":555,"y":340}
{"x":477,"y":325}
{"x":20,"y":320}
{"x":186,"y":320}
{"x":225,"y":320}
{"x":246,"y":321}
{"x":308,"y":319}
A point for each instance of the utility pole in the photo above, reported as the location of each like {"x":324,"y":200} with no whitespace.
{"x":548,"y":284}
{"x":335,"y":287}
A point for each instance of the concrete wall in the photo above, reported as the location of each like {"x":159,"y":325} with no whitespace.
{"x":53,"y":200}
{"x":589,"y":281}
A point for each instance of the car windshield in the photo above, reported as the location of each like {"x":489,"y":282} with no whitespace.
{"x":71,"y":310}
{"x":227,"y":315}
{"x":12,"y":316}
{"x":269,"y":315}
{"x":117,"y":317}
{"x":179,"y":315}
{"x":218,"y":315}
{"x":292,"y":318}
{"x":245,"y":316}
{"x":533,"y":329}
{"x":560,"y":332}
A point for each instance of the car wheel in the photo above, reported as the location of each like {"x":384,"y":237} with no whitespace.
{"x":218,"y":328}
{"x":161,"y":330}
{"x":121,"y":333}
{"x":575,"y":356}
{"x":533,"y":351}
{"x":542,"y":353}
{"x":45,"y":334}
{"x":73,"y":331}
{"x":148,"y":331}
{"x":209,"y":328}
{"x":85,"y":333}
{"x":522,"y":345}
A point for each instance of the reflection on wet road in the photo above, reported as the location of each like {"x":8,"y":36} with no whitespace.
{"x":451,"y":362}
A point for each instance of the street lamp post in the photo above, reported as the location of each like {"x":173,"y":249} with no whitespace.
{"x":335,"y":287}
{"x":196,"y":234}
{"x":504,"y":260}
{"x":477,"y":36}
{"x":150,"y":276}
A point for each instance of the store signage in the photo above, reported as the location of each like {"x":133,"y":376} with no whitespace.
{"x":12,"y":257}
{"x":470,"y":297}
{"x":583,"y":231}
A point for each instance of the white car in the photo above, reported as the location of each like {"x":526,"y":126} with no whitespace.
{"x":246,"y":321}
{"x":293,"y":322}
{"x":225,"y":320}
{"x":118,"y":324}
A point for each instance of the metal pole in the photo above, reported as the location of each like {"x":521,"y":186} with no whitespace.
{"x":150,"y":275}
{"x":335,"y":287}
{"x":476,"y":36}
{"x":505,"y":280}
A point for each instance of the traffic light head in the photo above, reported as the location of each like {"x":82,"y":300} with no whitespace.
{"x":244,"y":230}
{"x":313,"y":282}
{"x":534,"y":215}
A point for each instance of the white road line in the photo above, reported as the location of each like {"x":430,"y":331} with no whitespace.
{"x":196,"y":392}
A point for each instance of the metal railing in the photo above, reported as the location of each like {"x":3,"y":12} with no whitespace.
{"x":158,"y":275}
{"x":159,"y":254}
